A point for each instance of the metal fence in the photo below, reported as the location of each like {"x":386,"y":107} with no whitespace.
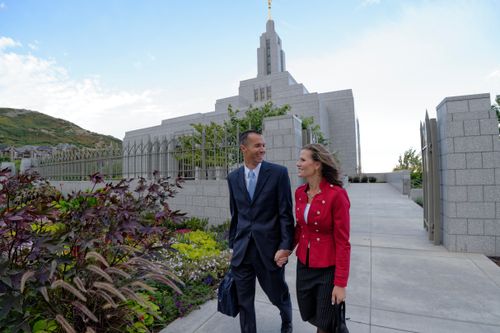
{"x":78,"y":164}
{"x":430,"y":179}
{"x":193,"y":156}
{"x":208,"y":154}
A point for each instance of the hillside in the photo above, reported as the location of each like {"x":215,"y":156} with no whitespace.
{"x":23,"y":127}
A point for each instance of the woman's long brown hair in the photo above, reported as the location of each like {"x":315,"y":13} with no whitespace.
{"x":329,"y":168}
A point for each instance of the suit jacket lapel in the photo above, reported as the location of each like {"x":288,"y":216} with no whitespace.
{"x":263,"y":175}
{"x":242,"y":182}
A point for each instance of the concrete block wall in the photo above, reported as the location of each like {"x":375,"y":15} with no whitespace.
{"x":343,"y":129}
{"x":204,"y":198}
{"x":470,"y":174}
{"x":70,"y":186}
{"x":416,"y":193}
{"x":283,"y":135}
{"x":399,"y":180}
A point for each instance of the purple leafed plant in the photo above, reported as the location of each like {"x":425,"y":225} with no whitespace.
{"x":78,"y":260}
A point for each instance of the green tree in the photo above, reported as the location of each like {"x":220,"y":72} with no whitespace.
{"x":411,"y":160}
{"x":253,"y":118}
{"x":308,"y":122}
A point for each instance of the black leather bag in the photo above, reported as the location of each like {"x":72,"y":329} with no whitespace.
{"x":338,"y":324}
{"x":227,"y":296}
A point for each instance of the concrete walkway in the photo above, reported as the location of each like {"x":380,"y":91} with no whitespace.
{"x":399,"y":281}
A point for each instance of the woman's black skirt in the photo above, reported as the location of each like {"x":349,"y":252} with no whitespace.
{"x":314,"y":295}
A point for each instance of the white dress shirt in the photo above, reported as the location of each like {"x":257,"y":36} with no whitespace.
{"x":256,"y":171}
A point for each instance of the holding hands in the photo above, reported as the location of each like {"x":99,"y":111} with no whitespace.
{"x":281,"y":257}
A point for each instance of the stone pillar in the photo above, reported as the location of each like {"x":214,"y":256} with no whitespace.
{"x":283,"y":136}
{"x":172,"y":166}
{"x":26,"y":164}
{"x":125,"y":161}
{"x":470,"y":174}
{"x":9,"y":165}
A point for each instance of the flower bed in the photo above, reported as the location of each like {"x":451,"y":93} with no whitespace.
{"x":200,"y":260}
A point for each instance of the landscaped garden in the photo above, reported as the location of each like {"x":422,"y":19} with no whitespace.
{"x":113,"y":259}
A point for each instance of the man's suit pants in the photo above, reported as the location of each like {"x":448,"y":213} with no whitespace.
{"x":272,"y":282}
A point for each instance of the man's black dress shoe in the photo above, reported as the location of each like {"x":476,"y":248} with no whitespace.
{"x":286,"y":327}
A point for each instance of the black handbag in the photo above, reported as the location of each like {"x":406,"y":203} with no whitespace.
{"x":338,"y":324}
{"x":227,"y":296}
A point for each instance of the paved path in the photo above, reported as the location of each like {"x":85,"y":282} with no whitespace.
{"x":399,"y":281}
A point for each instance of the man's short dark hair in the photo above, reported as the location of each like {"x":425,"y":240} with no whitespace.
{"x":244,"y":136}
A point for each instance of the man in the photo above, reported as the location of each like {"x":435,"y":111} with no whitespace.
{"x":261,"y":231}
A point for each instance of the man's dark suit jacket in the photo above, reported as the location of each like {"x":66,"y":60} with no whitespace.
{"x":268,"y":218}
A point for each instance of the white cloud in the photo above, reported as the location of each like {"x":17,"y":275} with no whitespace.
{"x":3,"y":5}
{"x":6,"y":42}
{"x":495,"y":74}
{"x":400,"y":69}
{"x":34,"y":45}
{"x":42,"y":85}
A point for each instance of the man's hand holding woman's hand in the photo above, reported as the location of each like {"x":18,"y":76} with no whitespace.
{"x":281,"y":257}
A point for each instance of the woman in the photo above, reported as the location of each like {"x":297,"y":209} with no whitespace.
{"x":321,"y":236}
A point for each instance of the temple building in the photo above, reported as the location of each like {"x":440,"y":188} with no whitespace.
{"x":333,"y":111}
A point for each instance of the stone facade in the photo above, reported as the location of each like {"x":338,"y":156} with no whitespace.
{"x":333,"y":111}
{"x":470,"y":174}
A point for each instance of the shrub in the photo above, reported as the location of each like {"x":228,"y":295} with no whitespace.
{"x":196,"y":245}
{"x":372,"y":179}
{"x":198,"y":255}
{"x":364,"y":179}
{"x":221,"y":233}
{"x":416,"y":179}
{"x":196,"y":223}
{"x":355,"y":179}
{"x":173,"y":305}
{"x":191,"y":223}
{"x":81,"y":262}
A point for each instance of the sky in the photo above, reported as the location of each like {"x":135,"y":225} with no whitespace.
{"x":112,"y":66}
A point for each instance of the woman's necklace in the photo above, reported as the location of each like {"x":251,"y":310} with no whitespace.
{"x":310,"y":195}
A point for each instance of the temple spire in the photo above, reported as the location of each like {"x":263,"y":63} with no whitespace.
{"x":270,"y":55}
{"x":269,"y":2}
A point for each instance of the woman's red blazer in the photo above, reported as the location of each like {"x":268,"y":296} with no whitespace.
{"x":327,"y":231}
